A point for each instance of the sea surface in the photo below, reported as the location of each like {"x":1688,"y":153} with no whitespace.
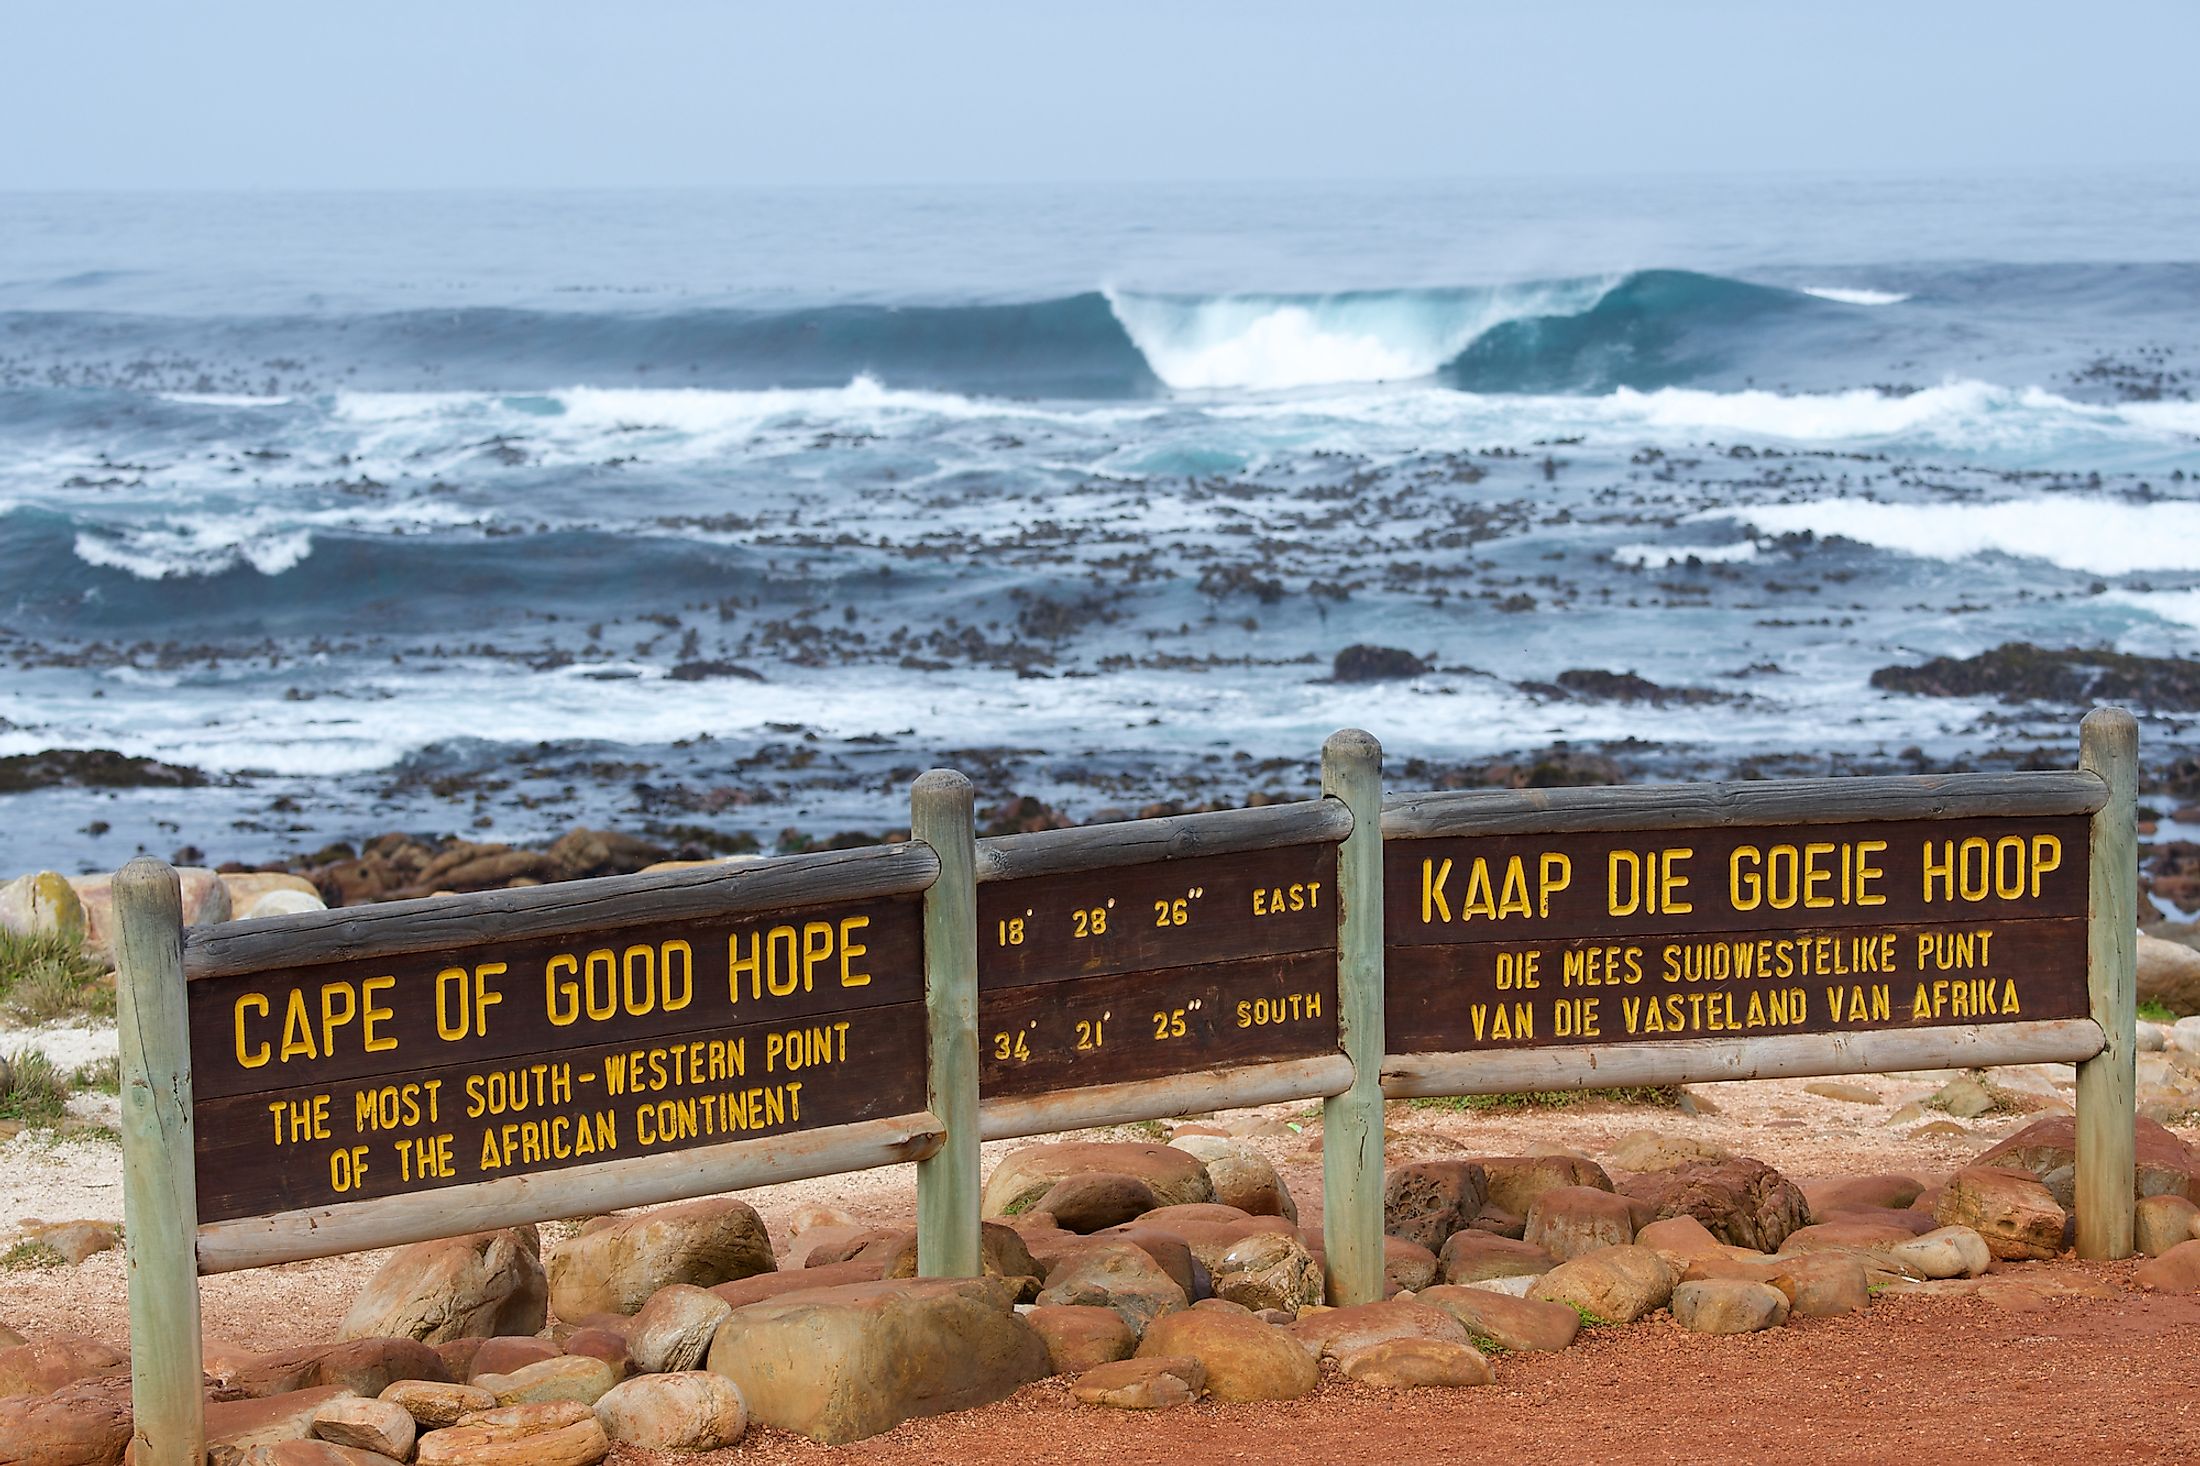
{"x":723,"y":514}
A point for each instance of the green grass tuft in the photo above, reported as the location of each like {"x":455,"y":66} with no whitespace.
{"x":28,"y":1255}
{"x":44,"y":978}
{"x":32,"y":1091}
{"x":2155,"y":1011}
{"x":104,"y":1076}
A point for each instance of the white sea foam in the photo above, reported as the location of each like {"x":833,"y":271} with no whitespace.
{"x":1731,"y":554}
{"x":223,"y":399}
{"x":1271,"y":343}
{"x":2096,"y":535}
{"x":2179,"y":607}
{"x":268,"y":538}
{"x":1847,"y":295}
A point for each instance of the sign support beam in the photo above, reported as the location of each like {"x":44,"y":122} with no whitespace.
{"x":2108,"y":745}
{"x":160,"y":1209}
{"x":1352,"y":1122}
{"x":947,"y":1182}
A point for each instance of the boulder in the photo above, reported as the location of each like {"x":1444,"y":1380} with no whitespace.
{"x":606,"y":1344}
{"x":1515,"y":1182}
{"x":567,"y":1377}
{"x":84,"y":1424}
{"x":1652,"y":1150}
{"x":618,"y":1263}
{"x":1840,"y":1193}
{"x":1141,"y":1384}
{"x":1966,"y":1097}
{"x":673,"y":1331}
{"x":233,"y":1426}
{"x":744,"y":1291}
{"x":1366,"y":662}
{"x":1817,"y":1284}
{"x":840,"y":1364}
{"x":1332,"y":1333}
{"x":561,"y":1434}
{"x":433,"y":1406}
{"x":1408,"y":1267}
{"x":1081,"y":1337}
{"x":1945,"y":1252}
{"x":1472,"y":1256}
{"x":75,"y":1240}
{"x":1426,"y":1202}
{"x":43,"y":904}
{"x":1572,"y":1221}
{"x":306,"y":1453}
{"x":1091,"y":1200}
{"x":362,"y":1366}
{"x":1269,"y":1270}
{"x":686,"y":1411}
{"x":1242,"y":1177}
{"x":458,"y":1287}
{"x":255,"y":894}
{"x":380,"y":1426}
{"x":1617,"y":1285}
{"x":46,"y":1364}
{"x":2175,"y":1271}
{"x":205,"y":903}
{"x":2165,"y":1164}
{"x":1114,"y":1274}
{"x":1415,"y":1364}
{"x":1728,"y":1306}
{"x":1024,"y":1175}
{"x":1742,"y":1202}
{"x":2161,"y":1222}
{"x":1872,"y":1241}
{"x":509,"y":1353}
{"x":2014,"y":1213}
{"x":1845,"y":1091}
{"x":1244,"y":1358}
{"x":1517,"y":1324}
{"x":1680,"y":1240}
{"x":1002,"y":1253}
{"x":1172,"y":1253}
{"x":2169,"y":974}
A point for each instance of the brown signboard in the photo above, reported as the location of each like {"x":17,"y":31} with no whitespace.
{"x":383,"y":1076}
{"x":1519,"y":941}
{"x":1162,"y":968}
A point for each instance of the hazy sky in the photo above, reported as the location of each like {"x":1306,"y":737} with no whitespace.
{"x":395,"y":93}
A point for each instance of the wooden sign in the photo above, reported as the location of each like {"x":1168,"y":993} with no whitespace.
{"x":1525,"y":940}
{"x":487,"y":1059}
{"x":1134,"y":972}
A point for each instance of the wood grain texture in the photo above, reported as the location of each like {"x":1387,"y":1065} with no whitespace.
{"x":512,"y":998}
{"x":1143,"y":1025}
{"x":2107,"y":1083}
{"x":1157,"y":916}
{"x":1457,"y":998}
{"x":1652,"y":807}
{"x":1172,"y":837}
{"x":948,"y":1207}
{"x":1194,"y":1092}
{"x":398,"y":928}
{"x":299,"y":1149}
{"x":554,"y":1195}
{"x":1703,"y":1061}
{"x":159,"y":1212}
{"x":1446,"y":891}
{"x":1352,"y":1122}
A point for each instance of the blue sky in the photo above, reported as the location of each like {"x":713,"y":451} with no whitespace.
{"x":309,"y":94}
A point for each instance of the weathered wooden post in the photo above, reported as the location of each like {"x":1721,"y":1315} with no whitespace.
{"x":947,"y":1181}
{"x":2108,"y":745}
{"x":1352,"y":1122}
{"x":160,"y":1208}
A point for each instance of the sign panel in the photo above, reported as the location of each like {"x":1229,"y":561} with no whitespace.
{"x":1522,"y":941}
{"x":382,"y":1076}
{"x":1136,"y":972}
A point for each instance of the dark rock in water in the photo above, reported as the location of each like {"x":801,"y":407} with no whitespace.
{"x":1363,"y":663}
{"x":1022,"y":816}
{"x":2019,"y":672}
{"x":1605,"y":686}
{"x":703,"y":671}
{"x":92,"y":768}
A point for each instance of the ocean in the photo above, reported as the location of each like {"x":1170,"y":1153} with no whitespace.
{"x":716,"y":517}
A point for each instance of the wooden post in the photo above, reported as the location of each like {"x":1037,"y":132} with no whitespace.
{"x":160,"y":1204}
{"x":1352,"y":1122}
{"x":947,"y":1181}
{"x":2108,"y":745}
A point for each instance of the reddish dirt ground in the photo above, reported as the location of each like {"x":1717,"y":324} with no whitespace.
{"x":1911,"y":1379}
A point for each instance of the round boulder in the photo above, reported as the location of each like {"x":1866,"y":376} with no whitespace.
{"x":1244,"y":1358}
{"x":674,"y":1412}
{"x":618,"y":1264}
